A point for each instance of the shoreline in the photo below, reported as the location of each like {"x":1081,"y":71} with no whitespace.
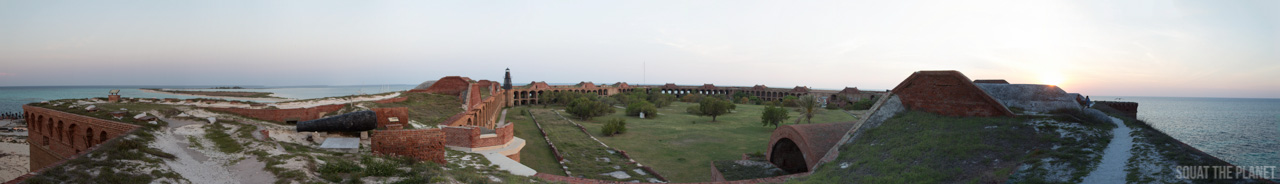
{"x":271,"y":100}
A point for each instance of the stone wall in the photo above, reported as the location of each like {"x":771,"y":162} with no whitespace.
{"x":420,"y":144}
{"x":1031,"y":97}
{"x":280,"y":115}
{"x":947,"y":93}
{"x":1129,"y":109}
{"x":55,"y":135}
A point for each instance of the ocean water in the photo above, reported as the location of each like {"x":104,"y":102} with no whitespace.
{"x":1242,"y":131}
{"x":12,"y":98}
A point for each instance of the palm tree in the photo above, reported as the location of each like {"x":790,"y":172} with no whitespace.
{"x":808,"y":105}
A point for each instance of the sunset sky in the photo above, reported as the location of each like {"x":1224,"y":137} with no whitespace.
{"x":1102,"y":48}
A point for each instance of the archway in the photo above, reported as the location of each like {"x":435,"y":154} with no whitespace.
{"x":788,"y":157}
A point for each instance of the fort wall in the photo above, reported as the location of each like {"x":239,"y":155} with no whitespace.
{"x":420,"y":144}
{"x":55,"y":135}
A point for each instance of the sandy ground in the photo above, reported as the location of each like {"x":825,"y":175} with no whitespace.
{"x":206,"y":165}
{"x":289,"y":105}
{"x":1113,"y":160}
{"x":14,"y":158}
{"x":222,"y":97}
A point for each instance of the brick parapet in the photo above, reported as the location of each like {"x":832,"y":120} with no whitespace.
{"x":58,"y":135}
{"x":419,"y":144}
{"x":384,"y":115}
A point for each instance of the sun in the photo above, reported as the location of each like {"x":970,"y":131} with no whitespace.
{"x":1052,"y":79}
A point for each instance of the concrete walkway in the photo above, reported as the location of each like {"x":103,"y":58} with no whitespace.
{"x":1114,"y":157}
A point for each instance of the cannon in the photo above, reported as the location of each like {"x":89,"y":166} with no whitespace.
{"x":349,"y":122}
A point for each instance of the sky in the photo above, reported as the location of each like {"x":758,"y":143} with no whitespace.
{"x":1101,"y":48}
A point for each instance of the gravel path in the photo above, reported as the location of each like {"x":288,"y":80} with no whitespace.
{"x":1114,"y":157}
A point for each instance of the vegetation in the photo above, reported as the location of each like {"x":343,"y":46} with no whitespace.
{"x":681,"y":151}
{"x":613,"y":127}
{"x":221,"y":140}
{"x":584,"y":157}
{"x":807,"y":106}
{"x":863,"y":104}
{"x":713,"y":107}
{"x":790,"y":101}
{"x":774,"y":115}
{"x":649,"y":110}
{"x":425,"y":108}
{"x":536,"y":152}
{"x":585,"y":108}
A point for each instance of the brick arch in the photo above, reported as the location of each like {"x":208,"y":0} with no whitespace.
{"x":88,"y":136}
{"x":808,"y":141}
{"x":71,"y":136}
{"x":102,"y":137}
{"x":58,"y":132}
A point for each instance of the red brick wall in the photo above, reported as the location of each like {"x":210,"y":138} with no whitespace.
{"x":515,"y":157}
{"x":452,"y":85}
{"x":400,"y":112}
{"x":420,"y":144}
{"x":279,"y":115}
{"x":459,"y":136}
{"x":716,"y":176}
{"x":469,"y":137}
{"x":1128,"y":108}
{"x":64,"y":141}
{"x":947,"y":93}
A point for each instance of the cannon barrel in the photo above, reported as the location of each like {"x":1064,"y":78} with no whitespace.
{"x":355,"y":121}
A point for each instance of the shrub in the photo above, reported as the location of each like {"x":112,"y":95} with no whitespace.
{"x":585,"y":108}
{"x":647,"y":108}
{"x":614,"y":127}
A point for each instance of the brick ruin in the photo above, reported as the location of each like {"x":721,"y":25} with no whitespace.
{"x":947,"y":93}
{"x":798,"y":147}
{"x":419,"y":144}
{"x":529,"y":94}
{"x":55,"y":136}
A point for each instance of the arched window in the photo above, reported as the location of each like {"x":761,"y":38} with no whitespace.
{"x":102,"y":137}
{"x":58,"y":133}
{"x":88,"y":137}
{"x":71,"y":136}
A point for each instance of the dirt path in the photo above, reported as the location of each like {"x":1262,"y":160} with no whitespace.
{"x":1114,"y":157}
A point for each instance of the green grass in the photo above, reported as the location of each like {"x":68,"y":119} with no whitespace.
{"x":222,"y":141}
{"x":536,"y":153}
{"x":582,"y":152}
{"x":425,"y":108}
{"x":682,"y":151}
{"x":918,"y":147}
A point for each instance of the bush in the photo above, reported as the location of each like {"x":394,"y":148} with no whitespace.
{"x":614,"y":127}
{"x":647,"y":108}
{"x":585,"y":108}
{"x":863,"y":104}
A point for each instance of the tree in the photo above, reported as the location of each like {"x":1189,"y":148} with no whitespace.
{"x":584,"y":108}
{"x":647,"y":108}
{"x":789,"y":101}
{"x":774,"y":115}
{"x":808,"y":106}
{"x":712,"y":107}
{"x":613,"y":127}
{"x":662,"y":100}
{"x":692,"y":97}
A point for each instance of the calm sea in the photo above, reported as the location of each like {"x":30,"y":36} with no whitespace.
{"x":12,"y":98}
{"x":1243,"y":131}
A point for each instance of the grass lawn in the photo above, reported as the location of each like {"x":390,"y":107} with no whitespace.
{"x":425,"y":108}
{"x":536,"y":153}
{"x":682,"y":151}
{"x":584,"y":157}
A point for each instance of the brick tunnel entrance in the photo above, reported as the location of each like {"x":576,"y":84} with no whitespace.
{"x":788,"y":157}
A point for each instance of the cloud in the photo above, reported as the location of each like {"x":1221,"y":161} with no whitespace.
{"x":7,"y":74}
